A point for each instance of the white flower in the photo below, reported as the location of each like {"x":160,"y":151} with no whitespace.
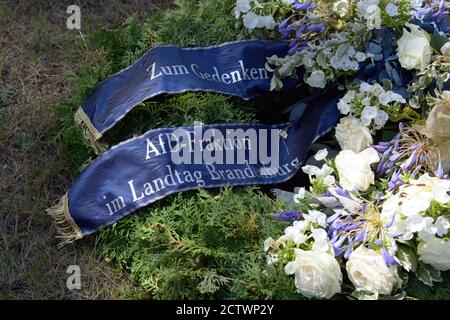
{"x":251,"y":20}
{"x":343,"y":106}
{"x":317,"y":274}
{"x":366,"y":7}
{"x":354,"y":168}
{"x":268,"y":243}
{"x":321,"y":154}
{"x":435,"y":252}
{"x":300,"y":195}
{"x":369,"y":113}
{"x":319,"y":173}
{"x":340,"y":7}
{"x":267,"y":22}
{"x":317,"y":79}
{"x":365,"y":87}
{"x":381,"y":118}
{"x":296,"y":232}
{"x":329,"y":180}
{"x":416,"y":4}
{"x":272,"y":259}
{"x":287,"y":2}
{"x":391,"y":9}
{"x":445,"y":49}
{"x":310,"y":170}
{"x":390,"y":96}
{"x":414,"y":50}
{"x":315,"y":216}
{"x":367,"y":271}
{"x":360,"y":56}
{"x":442,"y":225}
{"x":241,"y":6}
{"x":353,"y":135}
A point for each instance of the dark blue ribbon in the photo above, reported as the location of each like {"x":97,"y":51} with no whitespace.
{"x":142,"y":170}
{"x":114,"y":185}
{"x":235,"y":68}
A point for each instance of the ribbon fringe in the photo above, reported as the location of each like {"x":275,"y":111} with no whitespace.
{"x":90,"y":134}
{"x":67,"y":229}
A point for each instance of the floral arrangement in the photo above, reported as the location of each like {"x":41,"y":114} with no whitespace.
{"x":378,"y":212}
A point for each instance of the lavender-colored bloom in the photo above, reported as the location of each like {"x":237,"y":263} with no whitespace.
{"x":289,"y":215}
{"x":317,"y":28}
{"x":416,"y":171}
{"x":390,"y":222}
{"x":348,"y":251}
{"x":283,"y":23}
{"x":395,"y":181}
{"x":378,"y":242}
{"x":395,"y":156}
{"x":333,"y":218}
{"x":410,"y":161}
{"x":354,"y":226}
{"x":379,"y":196}
{"x":308,"y":5}
{"x":388,"y":259}
{"x":440,"y":171}
{"x":364,"y":207}
{"x":360,"y":236}
{"x":338,"y":251}
{"x":380,"y":147}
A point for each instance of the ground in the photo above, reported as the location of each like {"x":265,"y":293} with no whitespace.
{"x":38,"y":54}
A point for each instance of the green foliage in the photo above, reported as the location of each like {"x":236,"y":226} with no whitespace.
{"x":201,"y":245}
{"x":195,"y":244}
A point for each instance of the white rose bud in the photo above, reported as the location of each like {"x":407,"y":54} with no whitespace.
{"x":354,"y":168}
{"x":445,"y":50}
{"x":353,"y":135}
{"x":414,"y":50}
{"x":435,"y":252}
{"x":367,"y":271}
{"x":317,"y":274}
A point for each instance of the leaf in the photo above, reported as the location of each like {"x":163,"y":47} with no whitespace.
{"x":417,"y":289}
{"x":437,"y":41}
{"x":407,"y":257}
{"x":363,"y":295}
{"x":424,"y":275}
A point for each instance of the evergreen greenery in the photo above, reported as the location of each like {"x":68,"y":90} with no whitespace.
{"x":198,"y":244}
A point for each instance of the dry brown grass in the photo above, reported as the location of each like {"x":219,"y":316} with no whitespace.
{"x":36,"y":54}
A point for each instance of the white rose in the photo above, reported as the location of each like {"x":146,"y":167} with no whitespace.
{"x":367,"y":270}
{"x":341,"y":7}
{"x":445,"y":50}
{"x":353,"y":135}
{"x":316,"y":79}
{"x":414,"y":50}
{"x":317,"y":274}
{"x":354,"y":168}
{"x":435,"y":252}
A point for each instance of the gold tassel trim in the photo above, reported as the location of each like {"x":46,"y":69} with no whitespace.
{"x":90,"y":133}
{"x":67,"y":229}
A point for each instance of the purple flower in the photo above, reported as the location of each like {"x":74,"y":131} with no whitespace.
{"x":348,"y":252}
{"x":289,"y":215}
{"x":410,"y":161}
{"x":308,"y":5}
{"x":388,"y":259}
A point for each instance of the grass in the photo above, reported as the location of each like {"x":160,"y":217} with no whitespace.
{"x":37,"y":55}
